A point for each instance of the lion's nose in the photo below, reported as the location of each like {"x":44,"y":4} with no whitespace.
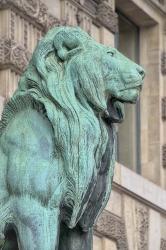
{"x":141,"y":72}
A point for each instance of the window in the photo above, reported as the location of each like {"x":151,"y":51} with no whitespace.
{"x":128,"y":137}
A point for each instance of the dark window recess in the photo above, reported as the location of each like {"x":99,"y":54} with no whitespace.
{"x":128,"y":135}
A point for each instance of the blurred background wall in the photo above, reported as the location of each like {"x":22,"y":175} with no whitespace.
{"x":135,"y":217}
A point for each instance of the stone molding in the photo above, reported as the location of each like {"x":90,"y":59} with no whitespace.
{"x":107,"y":17}
{"x":161,"y":4}
{"x":113,"y":227}
{"x":163,"y":244}
{"x":164,"y":108}
{"x":163,"y":63}
{"x":13,"y":55}
{"x":35,"y":10}
{"x":138,"y":187}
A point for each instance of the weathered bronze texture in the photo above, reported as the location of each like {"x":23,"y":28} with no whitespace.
{"x":57,"y":141}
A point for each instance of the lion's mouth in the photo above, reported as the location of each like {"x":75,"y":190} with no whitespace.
{"x":115,"y":106}
{"x":115,"y":110}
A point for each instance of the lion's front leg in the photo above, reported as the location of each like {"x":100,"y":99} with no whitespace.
{"x":75,"y":239}
{"x":37,"y":227}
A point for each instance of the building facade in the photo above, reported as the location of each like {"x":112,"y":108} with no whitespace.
{"x":135,"y":216}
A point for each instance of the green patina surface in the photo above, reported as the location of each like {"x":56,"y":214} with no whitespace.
{"x":57,"y":141}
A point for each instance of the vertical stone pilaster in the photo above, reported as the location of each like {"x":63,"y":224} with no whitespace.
{"x":2,"y":100}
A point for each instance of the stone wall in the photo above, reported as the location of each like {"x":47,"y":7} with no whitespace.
{"x":135,"y":216}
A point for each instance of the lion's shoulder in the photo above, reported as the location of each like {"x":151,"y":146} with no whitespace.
{"x":29,"y":131}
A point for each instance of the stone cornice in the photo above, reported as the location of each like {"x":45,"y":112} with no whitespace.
{"x":141,"y":189}
{"x":161,"y":6}
{"x":13,"y":55}
{"x":112,"y":227}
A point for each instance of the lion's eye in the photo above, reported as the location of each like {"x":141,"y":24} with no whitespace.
{"x":112,"y":53}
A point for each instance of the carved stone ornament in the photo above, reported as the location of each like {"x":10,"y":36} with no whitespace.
{"x":12,"y":54}
{"x":57,"y":141}
{"x":163,"y":244}
{"x":142,"y":224}
{"x":107,"y":16}
{"x":36,"y":10}
{"x":164,"y":108}
{"x":112,"y":227}
{"x":164,"y":155}
{"x":163,"y":63}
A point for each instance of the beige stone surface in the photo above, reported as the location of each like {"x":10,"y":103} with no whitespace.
{"x":107,"y":37}
{"x":54,"y":7}
{"x":150,"y":104}
{"x":114,"y":204}
{"x":130,"y":221}
{"x":2,"y":99}
{"x":117,"y":173}
{"x":95,"y":32}
{"x":4,"y":22}
{"x":109,"y":244}
{"x":10,"y":81}
{"x":69,"y":11}
{"x":136,"y":220}
{"x":97,"y":243}
{"x":163,"y":226}
{"x":154,"y":230}
{"x":140,"y":187}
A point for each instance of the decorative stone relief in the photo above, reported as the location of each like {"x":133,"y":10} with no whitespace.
{"x":164,"y":108}
{"x":75,"y":16}
{"x":163,"y":63}
{"x":112,"y":227}
{"x":53,"y":21}
{"x":107,"y":16}
{"x":80,"y":1}
{"x":37,"y":13}
{"x":32,"y":8}
{"x":13,"y":54}
{"x":84,"y":21}
{"x":142,"y":226}
{"x":164,"y":155}
{"x":35,"y":10}
{"x":163,"y":244}
{"x":69,"y":13}
{"x":91,"y":6}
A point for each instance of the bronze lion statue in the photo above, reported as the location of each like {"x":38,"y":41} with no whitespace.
{"x":57,"y":141}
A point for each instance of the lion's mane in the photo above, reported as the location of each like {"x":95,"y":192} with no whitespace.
{"x":70,"y":92}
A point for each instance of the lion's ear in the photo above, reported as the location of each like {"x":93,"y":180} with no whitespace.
{"x":67,"y":45}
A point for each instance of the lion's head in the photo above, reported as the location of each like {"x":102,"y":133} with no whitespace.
{"x":99,"y":76}
{"x":81,"y":85}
